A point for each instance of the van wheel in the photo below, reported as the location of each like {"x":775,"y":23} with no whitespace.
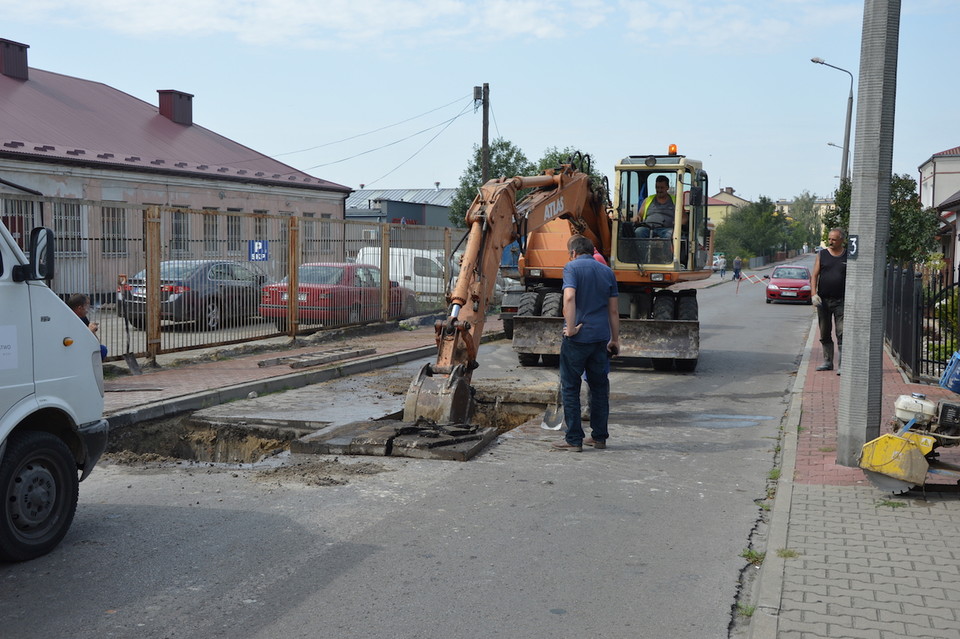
{"x":38,"y":477}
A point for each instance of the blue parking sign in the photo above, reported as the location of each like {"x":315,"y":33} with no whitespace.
{"x":257,"y":250}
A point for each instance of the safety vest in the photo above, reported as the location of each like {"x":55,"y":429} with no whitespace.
{"x":646,"y":204}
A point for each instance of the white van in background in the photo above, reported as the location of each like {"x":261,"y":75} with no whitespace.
{"x":420,"y":270}
{"x":51,"y":402}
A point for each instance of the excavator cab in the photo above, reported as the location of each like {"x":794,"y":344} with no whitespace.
{"x":648,"y":239}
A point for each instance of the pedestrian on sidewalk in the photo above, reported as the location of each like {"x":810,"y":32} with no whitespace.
{"x":722,"y":266}
{"x":826,"y":288}
{"x":591,"y":335}
{"x":737,"y":265}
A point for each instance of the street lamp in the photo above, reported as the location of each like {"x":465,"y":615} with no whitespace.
{"x":835,"y":145}
{"x":846,"y":132}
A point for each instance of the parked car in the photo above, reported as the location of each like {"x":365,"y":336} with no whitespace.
{"x":208,"y":292}
{"x":716,"y":262}
{"x":789,"y":284}
{"x":336,"y":293}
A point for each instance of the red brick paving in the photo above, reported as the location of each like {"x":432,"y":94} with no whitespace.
{"x":817,"y":440}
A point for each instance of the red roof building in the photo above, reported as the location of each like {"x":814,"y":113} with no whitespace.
{"x":69,"y":137}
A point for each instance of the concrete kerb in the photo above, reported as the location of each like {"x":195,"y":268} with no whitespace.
{"x":765,"y":620}
{"x":217,"y":396}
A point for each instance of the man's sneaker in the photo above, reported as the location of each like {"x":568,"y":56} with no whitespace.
{"x":589,"y":441}
{"x":826,"y":366}
{"x":564,"y":446}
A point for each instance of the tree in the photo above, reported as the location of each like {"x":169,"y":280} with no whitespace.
{"x":553,"y":157}
{"x":506,"y":160}
{"x":753,"y":229}
{"x":805,"y":228}
{"x":912,"y":229}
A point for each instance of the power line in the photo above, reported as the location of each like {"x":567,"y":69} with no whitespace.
{"x":383,"y":128}
{"x":444,"y":124}
{"x":417,"y":152}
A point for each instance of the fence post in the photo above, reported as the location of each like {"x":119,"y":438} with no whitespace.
{"x":152,"y":230}
{"x":293,"y":276}
{"x":384,"y":272}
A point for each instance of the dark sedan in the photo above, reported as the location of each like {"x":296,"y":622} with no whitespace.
{"x":208,"y":292}
{"x":336,"y":293}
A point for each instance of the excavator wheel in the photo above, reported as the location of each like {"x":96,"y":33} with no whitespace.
{"x":687,"y":309}
{"x":530,"y":305}
{"x":664,"y":308}
{"x":552,"y":307}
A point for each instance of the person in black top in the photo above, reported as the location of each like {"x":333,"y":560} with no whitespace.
{"x":827,"y":285}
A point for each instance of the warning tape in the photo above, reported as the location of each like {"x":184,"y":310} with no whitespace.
{"x":753,"y":279}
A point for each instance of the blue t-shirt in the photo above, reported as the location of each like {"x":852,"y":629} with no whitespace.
{"x":595,"y":285}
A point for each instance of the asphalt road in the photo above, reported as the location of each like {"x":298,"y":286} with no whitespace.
{"x":640,"y":540}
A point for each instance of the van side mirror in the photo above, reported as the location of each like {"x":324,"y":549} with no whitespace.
{"x":42,"y":251}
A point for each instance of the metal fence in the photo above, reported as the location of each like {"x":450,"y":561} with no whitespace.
{"x":167,"y":279}
{"x":921,"y":323}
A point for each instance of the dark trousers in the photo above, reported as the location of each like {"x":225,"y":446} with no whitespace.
{"x":577,"y":358}
{"x":830,"y":316}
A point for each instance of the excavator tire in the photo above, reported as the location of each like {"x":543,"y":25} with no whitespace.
{"x":664,"y":307}
{"x":687,"y":309}
{"x":530,"y":305}
{"x":552,"y":307}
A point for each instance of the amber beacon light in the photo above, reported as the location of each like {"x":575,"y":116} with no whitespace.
{"x":672,"y":149}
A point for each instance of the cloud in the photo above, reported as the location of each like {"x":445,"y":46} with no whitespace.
{"x":397,"y":24}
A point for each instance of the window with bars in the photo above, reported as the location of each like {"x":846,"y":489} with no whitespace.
{"x":179,"y":233}
{"x":113,"y":230}
{"x":234,"y":233}
{"x":68,"y":227}
{"x":326,"y":234}
{"x":211,"y":231}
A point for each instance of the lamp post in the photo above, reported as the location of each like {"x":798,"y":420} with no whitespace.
{"x":846,"y":131}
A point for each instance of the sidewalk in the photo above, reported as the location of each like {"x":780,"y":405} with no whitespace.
{"x":868,"y":563}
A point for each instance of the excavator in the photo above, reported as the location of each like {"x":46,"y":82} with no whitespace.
{"x":657,"y":322}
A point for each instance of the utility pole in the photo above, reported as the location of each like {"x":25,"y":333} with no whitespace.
{"x":861,"y":407}
{"x":482,"y":96}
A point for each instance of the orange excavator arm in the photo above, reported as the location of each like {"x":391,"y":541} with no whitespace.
{"x":441,"y":390}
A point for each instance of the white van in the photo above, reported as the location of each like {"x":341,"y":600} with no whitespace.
{"x":417,"y":269}
{"x":51,"y":402}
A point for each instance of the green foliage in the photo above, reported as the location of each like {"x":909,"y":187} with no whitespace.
{"x":751,"y":230}
{"x":805,"y":228}
{"x":553,"y":157}
{"x":912,"y":228}
{"x":506,"y":160}
{"x":839,"y":217}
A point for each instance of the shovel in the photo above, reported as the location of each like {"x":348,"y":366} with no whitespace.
{"x":553,"y":415}
{"x":130,"y":358}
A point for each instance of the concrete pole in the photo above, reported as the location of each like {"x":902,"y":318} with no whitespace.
{"x":861,"y":408}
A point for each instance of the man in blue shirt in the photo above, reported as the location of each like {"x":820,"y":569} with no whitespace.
{"x":591,"y":335}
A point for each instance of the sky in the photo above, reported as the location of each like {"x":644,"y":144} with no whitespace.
{"x":380,"y":92}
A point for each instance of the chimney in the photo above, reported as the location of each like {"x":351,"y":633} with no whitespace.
{"x":176,"y":106}
{"x":729,"y":189}
{"x":437,"y":184}
{"x":13,"y":59}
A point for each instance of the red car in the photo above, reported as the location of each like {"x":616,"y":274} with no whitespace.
{"x":336,"y":293}
{"x":789,"y":284}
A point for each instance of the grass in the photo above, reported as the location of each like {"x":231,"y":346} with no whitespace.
{"x":892,"y":504}
{"x":774,"y":474}
{"x":745,"y":611}
{"x":752,"y":556}
{"x":786,"y":553}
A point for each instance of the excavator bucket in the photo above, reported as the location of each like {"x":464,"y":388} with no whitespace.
{"x":444,"y":399}
{"x":655,"y":339}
